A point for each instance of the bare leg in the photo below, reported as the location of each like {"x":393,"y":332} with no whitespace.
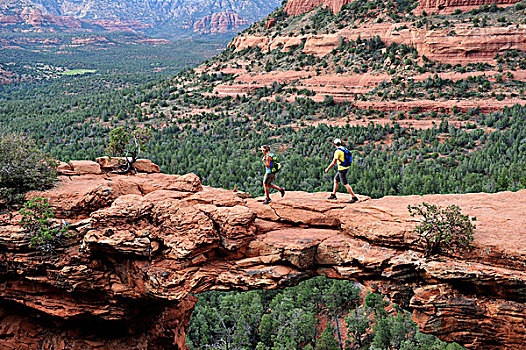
{"x":335,"y":188}
{"x":274,"y":187}
{"x":349,"y":188}
{"x":267,"y":192}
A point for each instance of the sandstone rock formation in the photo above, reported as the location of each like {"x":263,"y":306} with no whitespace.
{"x":82,"y":167}
{"x":33,"y":19}
{"x":220,"y":22}
{"x":298,"y":7}
{"x":448,"y":6}
{"x":141,"y":244}
{"x":142,"y":165}
{"x":465,"y":45}
{"x":468,"y":45}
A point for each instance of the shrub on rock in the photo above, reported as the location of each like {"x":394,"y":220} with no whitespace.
{"x":23,"y":167}
{"x":37,"y":218}
{"x":443,"y":229}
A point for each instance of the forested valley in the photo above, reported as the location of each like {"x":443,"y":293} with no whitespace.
{"x":484,"y":153}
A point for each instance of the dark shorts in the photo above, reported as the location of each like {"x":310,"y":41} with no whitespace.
{"x":341,"y":177}
{"x":269,"y":177}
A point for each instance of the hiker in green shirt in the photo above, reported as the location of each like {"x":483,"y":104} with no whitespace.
{"x":343,"y":157}
{"x":272,"y":166}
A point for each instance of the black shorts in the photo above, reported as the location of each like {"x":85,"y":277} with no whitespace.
{"x":341,"y":177}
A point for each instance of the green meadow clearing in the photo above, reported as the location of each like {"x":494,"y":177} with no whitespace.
{"x":78,"y":71}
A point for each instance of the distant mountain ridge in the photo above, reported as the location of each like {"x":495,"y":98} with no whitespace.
{"x":209,"y":16}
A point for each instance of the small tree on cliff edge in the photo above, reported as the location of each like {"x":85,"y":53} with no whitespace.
{"x":23,"y":167}
{"x":128,"y":143}
{"x":442,"y":229}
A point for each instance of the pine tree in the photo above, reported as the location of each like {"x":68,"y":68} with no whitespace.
{"x":357,"y":325}
{"x":327,"y":341}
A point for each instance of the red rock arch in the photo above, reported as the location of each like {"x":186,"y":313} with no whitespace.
{"x":144,"y":243}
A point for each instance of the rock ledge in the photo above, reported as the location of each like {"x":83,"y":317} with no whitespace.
{"x":141,"y":245}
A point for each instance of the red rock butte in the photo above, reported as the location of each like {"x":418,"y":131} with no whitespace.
{"x":220,"y":22}
{"x":141,"y":245}
{"x":299,"y":7}
{"x":466,"y":44}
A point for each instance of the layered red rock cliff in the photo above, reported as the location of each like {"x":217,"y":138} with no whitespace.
{"x":462,"y":44}
{"x":220,"y":22}
{"x":467,"y":45}
{"x":299,"y":7}
{"x":448,"y":6}
{"x":141,"y":244}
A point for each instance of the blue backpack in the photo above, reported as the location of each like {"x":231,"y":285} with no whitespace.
{"x":347,"y":160}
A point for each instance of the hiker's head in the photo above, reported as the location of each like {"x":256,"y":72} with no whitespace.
{"x":337,"y":142}
{"x":265,"y":149}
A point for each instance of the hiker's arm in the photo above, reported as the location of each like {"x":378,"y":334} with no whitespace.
{"x":266,"y":161}
{"x":269,"y":160}
{"x":330,"y":166}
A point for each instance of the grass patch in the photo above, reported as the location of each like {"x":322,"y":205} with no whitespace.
{"x":78,"y":71}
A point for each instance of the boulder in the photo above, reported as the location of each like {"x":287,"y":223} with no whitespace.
{"x":142,"y":165}
{"x":146,"y":166}
{"x":83,"y":167}
{"x":108,"y":163}
{"x":65,"y":169}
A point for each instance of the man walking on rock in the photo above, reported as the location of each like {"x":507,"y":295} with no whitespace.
{"x":343,"y":157}
{"x":272,"y":166}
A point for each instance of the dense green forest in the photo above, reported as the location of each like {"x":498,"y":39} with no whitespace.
{"x":293,"y":318}
{"x":485,"y":153}
{"x":118,"y":57}
{"x":388,"y":160}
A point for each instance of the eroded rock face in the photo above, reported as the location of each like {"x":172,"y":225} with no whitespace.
{"x":142,"y":244}
{"x":220,"y":22}
{"x":298,"y":7}
{"x":462,"y":46}
{"x":448,"y":6}
{"x":113,"y":15}
{"x":467,"y":45}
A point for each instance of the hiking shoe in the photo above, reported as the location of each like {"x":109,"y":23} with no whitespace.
{"x":266,"y":201}
{"x":353,"y":200}
{"x":282,"y":191}
{"x":332,"y":196}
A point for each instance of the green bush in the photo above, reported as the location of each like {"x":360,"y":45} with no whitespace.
{"x":23,"y":167}
{"x":443,"y":230}
{"x":36,"y":219}
{"x":128,"y":143}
